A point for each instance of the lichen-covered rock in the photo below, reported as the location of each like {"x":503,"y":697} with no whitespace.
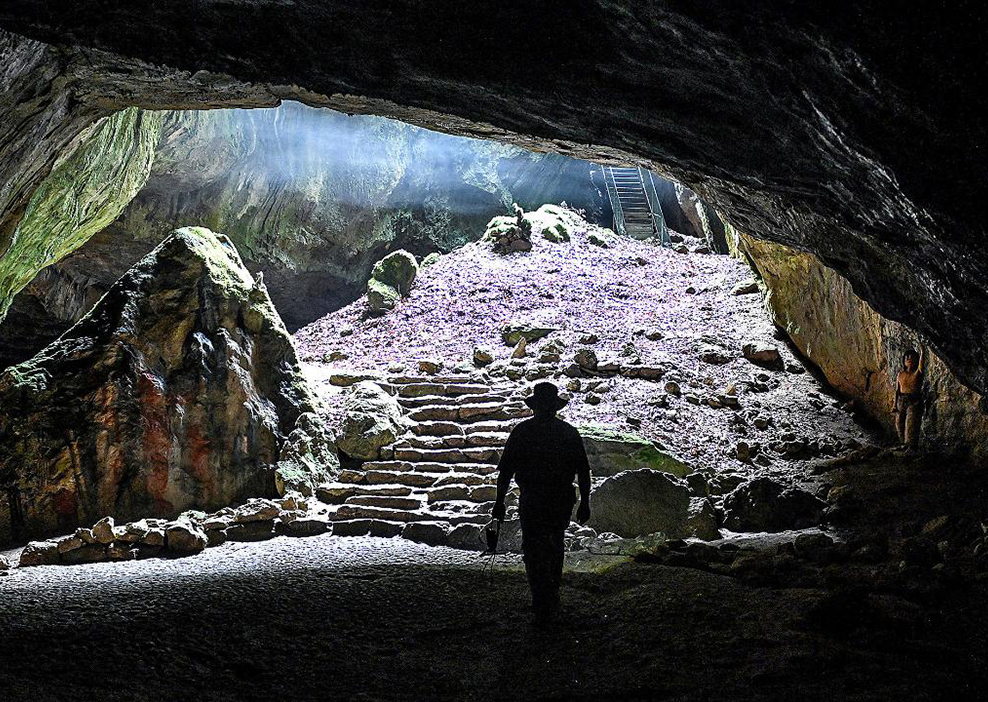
{"x":639,"y":502}
{"x":391,"y":279}
{"x":512,"y":332}
{"x":176,"y":391}
{"x":397,"y":270}
{"x":308,"y":457}
{"x":371,"y":419}
{"x":611,"y":451}
{"x":764,"y":504}
{"x":381,"y":298}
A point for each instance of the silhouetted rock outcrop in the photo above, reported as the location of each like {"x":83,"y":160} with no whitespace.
{"x":177,"y":390}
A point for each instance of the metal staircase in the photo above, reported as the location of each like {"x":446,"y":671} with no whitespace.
{"x":635,"y":203}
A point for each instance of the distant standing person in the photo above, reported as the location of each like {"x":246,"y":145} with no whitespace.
{"x":543,"y":454}
{"x":909,"y":399}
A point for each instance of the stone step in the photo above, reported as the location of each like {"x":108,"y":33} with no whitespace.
{"x":471,"y":479}
{"x":489,"y":427}
{"x":443,"y":379}
{"x":352,"y":512}
{"x":440,"y":400}
{"x":403,"y":503}
{"x":387,"y":477}
{"x":462,"y":493}
{"x":448,"y":390}
{"x":469,"y":413}
{"x":428,"y":428}
{"x":367,"y":527}
{"x":451,"y":455}
{"x":337,"y":493}
{"x":476,"y":440}
{"x":465,"y":508}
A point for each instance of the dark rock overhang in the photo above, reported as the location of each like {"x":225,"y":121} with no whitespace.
{"x":855,"y":133}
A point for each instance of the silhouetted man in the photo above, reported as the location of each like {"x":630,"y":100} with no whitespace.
{"x":543,"y":454}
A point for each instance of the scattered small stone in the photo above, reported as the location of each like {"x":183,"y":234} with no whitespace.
{"x":690,"y":290}
{"x":672,"y":387}
{"x":592,"y":399}
{"x":183,"y":538}
{"x":654,"y":334}
{"x":482,"y":357}
{"x":762,"y":354}
{"x":745,"y":287}
{"x":714,"y":355}
{"x":597,"y":240}
{"x":702,"y":250}
{"x":519,"y":350}
{"x":589,"y":339}
{"x":681,"y":248}
{"x":573,"y":385}
{"x":586,"y":359}
{"x":430,"y":366}
{"x":692,"y":399}
{"x":39,"y":553}
{"x":346,"y":330}
{"x":103,"y":530}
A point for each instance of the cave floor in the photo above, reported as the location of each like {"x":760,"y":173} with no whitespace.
{"x":376,"y":619}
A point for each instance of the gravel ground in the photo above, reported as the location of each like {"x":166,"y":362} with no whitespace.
{"x":373,"y":619}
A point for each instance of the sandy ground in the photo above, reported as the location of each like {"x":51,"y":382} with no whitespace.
{"x":373,"y":619}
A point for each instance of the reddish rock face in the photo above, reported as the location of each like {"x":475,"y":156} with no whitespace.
{"x":176,"y":391}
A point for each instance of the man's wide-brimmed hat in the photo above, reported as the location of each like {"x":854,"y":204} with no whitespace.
{"x":545,"y":397}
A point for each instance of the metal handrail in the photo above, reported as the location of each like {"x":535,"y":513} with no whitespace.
{"x":612,"y":193}
{"x":652,"y":197}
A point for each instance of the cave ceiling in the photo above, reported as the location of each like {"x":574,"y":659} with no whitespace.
{"x":854,"y":132}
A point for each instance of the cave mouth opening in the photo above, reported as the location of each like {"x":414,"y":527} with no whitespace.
{"x":311,"y":197}
{"x":618,"y":286}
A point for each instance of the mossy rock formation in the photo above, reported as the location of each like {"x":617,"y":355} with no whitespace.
{"x":391,"y":279}
{"x":175,"y":392}
{"x":611,"y":452}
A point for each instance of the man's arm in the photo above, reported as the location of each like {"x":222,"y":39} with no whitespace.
{"x":506,"y":471}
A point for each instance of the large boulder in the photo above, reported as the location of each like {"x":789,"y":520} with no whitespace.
{"x":764,"y":504}
{"x":611,"y":451}
{"x":175,"y":391}
{"x":371,"y":419}
{"x":639,"y":502}
{"x":391,"y":279}
{"x":308,"y":457}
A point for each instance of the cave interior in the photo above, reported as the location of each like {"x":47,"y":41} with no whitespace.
{"x":272,"y":302}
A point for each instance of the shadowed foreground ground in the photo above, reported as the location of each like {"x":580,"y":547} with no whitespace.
{"x":369,"y":619}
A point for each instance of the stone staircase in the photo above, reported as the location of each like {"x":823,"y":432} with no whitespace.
{"x":442,"y":473}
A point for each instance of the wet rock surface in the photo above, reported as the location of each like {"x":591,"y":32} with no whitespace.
{"x":176,"y":391}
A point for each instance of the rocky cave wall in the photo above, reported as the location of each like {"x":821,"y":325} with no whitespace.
{"x":856,"y":135}
{"x":859,"y":351}
{"x":310,"y":196}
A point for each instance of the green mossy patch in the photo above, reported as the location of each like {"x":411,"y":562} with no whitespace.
{"x":612,"y":451}
{"x":81,"y":196}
